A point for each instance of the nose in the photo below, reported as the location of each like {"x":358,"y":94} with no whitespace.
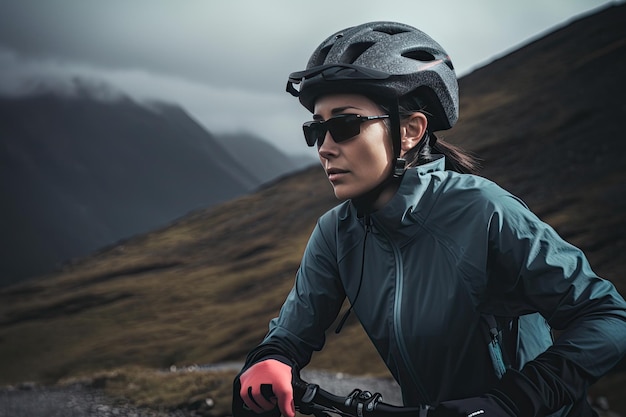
{"x":329,"y":147}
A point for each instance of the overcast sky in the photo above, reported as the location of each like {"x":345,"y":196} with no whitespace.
{"x":226,"y":62}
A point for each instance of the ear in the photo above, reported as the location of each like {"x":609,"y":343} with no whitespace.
{"x":413,"y":130}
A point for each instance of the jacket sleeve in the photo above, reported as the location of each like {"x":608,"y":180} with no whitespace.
{"x":532,"y":269}
{"x":311,"y":306}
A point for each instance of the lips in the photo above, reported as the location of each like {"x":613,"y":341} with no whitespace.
{"x":335,"y":173}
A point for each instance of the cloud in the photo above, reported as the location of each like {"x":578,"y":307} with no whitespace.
{"x":255,"y":43}
{"x":274,"y":116}
{"x":29,"y":77}
{"x":226,"y":62}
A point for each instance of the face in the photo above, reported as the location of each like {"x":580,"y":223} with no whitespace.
{"x":358,"y":164}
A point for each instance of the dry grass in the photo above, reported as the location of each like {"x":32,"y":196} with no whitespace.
{"x":200,"y":291}
{"x":206,"y":393}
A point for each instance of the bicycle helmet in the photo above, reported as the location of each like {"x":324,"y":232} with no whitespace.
{"x":383,"y":60}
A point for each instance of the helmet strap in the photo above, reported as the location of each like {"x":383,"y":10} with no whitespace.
{"x":399,"y":163}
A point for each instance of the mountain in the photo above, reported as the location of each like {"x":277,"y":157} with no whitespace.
{"x":262,"y":159}
{"x":546,"y":119}
{"x":80,"y":172}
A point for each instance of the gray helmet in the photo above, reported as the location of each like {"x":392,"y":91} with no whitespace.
{"x":384,"y":60}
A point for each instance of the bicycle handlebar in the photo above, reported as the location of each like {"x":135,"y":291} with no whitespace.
{"x":310,"y":399}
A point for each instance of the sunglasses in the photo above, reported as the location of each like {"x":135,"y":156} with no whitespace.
{"x":341,"y":127}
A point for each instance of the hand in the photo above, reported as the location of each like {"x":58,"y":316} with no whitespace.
{"x":267,"y":384}
{"x":484,"y":406}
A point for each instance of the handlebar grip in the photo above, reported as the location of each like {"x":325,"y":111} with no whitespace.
{"x":311,"y":399}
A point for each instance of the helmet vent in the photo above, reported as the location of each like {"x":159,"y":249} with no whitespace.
{"x":390,"y":30}
{"x":419,"y":55}
{"x":323,"y":53}
{"x":354,"y":51}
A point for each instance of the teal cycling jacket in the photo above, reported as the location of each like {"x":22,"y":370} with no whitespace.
{"x":445,"y":250}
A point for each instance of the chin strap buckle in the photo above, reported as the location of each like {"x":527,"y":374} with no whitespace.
{"x":399,"y":167}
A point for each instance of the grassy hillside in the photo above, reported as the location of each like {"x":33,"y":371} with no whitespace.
{"x":200,"y":291}
{"x":169,"y":297}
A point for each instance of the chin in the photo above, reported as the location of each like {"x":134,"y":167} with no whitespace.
{"x":342,"y":194}
{"x":339,"y":196}
{"x":339,"y":193}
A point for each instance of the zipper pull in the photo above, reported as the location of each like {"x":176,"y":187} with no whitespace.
{"x":368,"y":223}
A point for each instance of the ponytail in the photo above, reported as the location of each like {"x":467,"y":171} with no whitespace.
{"x":457,"y":159}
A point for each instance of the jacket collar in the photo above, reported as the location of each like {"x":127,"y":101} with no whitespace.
{"x":403,"y":209}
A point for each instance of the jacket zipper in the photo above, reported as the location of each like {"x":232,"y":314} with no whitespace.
{"x":397,"y":320}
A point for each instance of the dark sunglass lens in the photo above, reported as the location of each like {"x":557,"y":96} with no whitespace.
{"x":313,"y":131}
{"x":343,"y":128}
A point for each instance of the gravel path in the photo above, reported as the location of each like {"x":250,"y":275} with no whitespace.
{"x":72,"y":401}
{"x":29,"y":400}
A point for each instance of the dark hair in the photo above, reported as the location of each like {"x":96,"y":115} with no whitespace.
{"x":457,"y":159}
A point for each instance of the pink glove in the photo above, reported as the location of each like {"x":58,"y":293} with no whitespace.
{"x":266,"y":384}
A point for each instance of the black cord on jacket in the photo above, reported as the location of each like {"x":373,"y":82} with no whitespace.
{"x":368,"y":224}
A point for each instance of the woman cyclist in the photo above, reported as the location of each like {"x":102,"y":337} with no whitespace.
{"x":454,"y":280}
